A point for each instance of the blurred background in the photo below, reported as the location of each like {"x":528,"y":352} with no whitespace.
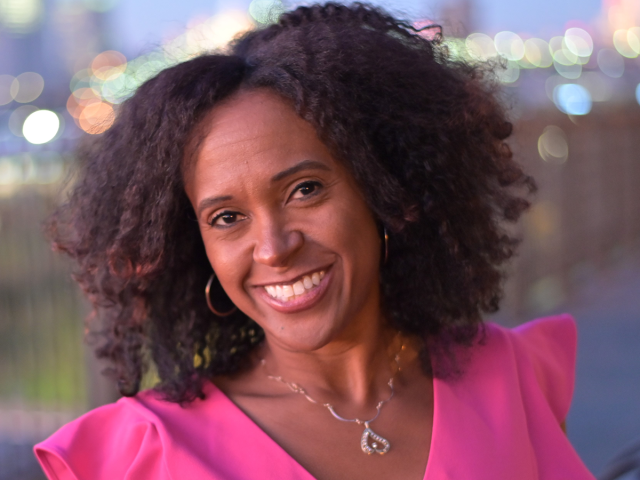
{"x":572,"y":82}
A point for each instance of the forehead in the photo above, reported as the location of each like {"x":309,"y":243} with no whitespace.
{"x":251,"y":114}
{"x":251,"y":136}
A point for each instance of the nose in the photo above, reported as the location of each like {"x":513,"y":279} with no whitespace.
{"x":275,"y":245}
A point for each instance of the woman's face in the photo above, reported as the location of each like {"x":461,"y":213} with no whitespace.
{"x":285,"y":227}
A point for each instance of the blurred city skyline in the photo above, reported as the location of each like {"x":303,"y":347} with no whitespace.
{"x":139,"y":25}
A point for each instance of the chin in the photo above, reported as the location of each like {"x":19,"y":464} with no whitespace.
{"x":304,"y":335}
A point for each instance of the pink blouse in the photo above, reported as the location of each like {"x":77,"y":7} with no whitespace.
{"x":500,"y":420}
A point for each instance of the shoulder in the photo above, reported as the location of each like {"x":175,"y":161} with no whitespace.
{"x":111,"y":442}
{"x":537,"y":356}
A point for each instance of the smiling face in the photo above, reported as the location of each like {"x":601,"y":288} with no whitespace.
{"x":285,"y":227}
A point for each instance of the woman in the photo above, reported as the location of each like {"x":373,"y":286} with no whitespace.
{"x":301,"y":236}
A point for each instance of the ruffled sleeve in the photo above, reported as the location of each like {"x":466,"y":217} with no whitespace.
{"x":109,"y":443}
{"x":505,"y":411}
{"x":549,"y":346}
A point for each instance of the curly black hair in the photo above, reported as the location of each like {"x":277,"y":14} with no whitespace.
{"x":422,"y":133}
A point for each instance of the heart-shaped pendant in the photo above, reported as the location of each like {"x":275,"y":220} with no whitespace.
{"x":372,"y":443}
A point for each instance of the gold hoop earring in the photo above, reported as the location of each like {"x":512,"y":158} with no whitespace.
{"x":386,"y":244}
{"x":207,"y":296}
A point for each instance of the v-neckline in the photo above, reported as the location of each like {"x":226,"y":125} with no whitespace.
{"x":304,"y":472}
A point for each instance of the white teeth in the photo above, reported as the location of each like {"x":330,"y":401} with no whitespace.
{"x":285,"y":292}
{"x":307,"y":283}
{"x":298,"y":288}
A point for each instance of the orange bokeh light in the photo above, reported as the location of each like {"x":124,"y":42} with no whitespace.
{"x":108,"y":64}
{"x":96,"y":117}
{"x":79,"y":99}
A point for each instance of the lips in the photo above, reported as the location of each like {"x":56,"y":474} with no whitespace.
{"x":299,"y":295}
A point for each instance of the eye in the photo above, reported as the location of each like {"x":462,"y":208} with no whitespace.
{"x":305,"y":189}
{"x":226,"y":219}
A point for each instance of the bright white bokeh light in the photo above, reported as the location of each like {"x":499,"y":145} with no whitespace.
{"x":509,"y":45}
{"x":41,"y":127}
{"x":579,"y":42}
{"x":572,"y":99}
{"x":21,"y":16}
{"x":480,"y":46}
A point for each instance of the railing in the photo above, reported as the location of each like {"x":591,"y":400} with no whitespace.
{"x":42,"y":361}
{"x":586,"y":214}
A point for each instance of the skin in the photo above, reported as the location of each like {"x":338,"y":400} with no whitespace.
{"x":273,"y":204}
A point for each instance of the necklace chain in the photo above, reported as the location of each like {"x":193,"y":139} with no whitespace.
{"x":380,"y":445}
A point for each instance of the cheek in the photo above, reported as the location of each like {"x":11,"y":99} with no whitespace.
{"x":229,"y":263}
{"x":350,"y":230}
{"x":358,"y":230}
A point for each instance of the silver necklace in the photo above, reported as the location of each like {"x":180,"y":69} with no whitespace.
{"x":370,"y":442}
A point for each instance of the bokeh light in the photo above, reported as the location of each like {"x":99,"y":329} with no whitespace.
{"x":545,"y":294}
{"x":567,"y":70}
{"x":266,"y":11}
{"x":21,"y":16}
{"x":509,"y":45}
{"x":537,"y":52}
{"x":10,"y":173}
{"x":638,"y":94}
{"x":80,"y":79}
{"x":27,"y":87}
{"x":111,"y":79}
{"x":96,"y":117}
{"x":552,"y":145}
{"x":565,"y":57}
{"x":572,"y":99}
{"x":480,"y":46}
{"x":7,"y":92}
{"x":561,"y":52}
{"x":578,"y":42}
{"x":611,"y":63}
{"x":633,"y":39}
{"x":41,"y":127}
{"x":621,"y":42}
{"x":109,"y":64}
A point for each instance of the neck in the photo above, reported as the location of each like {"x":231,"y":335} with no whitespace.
{"x":354,"y":369}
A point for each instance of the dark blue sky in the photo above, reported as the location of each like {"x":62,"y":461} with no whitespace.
{"x":140,"y":24}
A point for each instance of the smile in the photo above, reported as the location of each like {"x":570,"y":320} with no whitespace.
{"x":291,"y":291}
{"x":299,"y":294}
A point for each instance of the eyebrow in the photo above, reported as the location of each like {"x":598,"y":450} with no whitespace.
{"x":211,"y":201}
{"x":304,"y":165}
